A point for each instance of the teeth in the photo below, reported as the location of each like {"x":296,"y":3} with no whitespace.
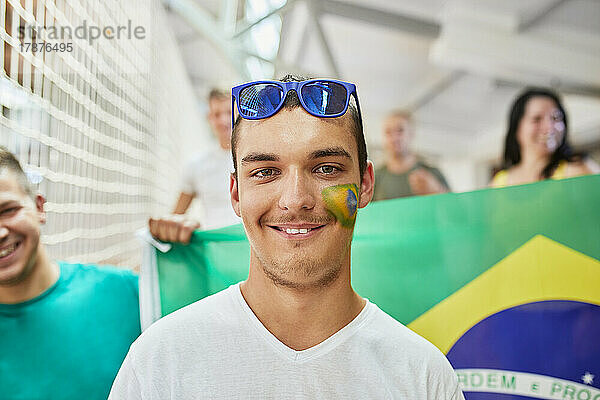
{"x":8,"y":250}
{"x":293,"y":231}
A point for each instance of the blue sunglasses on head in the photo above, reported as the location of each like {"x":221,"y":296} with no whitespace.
{"x":326,"y":98}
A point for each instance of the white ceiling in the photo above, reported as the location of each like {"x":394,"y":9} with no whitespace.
{"x":457,"y":63}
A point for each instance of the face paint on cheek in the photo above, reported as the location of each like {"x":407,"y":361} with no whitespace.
{"x":342,"y":201}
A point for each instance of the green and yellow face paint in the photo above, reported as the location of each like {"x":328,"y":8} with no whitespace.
{"x":342,"y":202}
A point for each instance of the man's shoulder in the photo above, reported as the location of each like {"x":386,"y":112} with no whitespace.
{"x":198,"y":159}
{"x":101,"y":284}
{"x":214,"y":314}
{"x":396,"y":337}
{"x":409,"y":357}
{"x":389,"y":328}
{"x":422,"y":164}
{"x":381,"y":170}
{"x":97,"y":273}
{"x":433,"y":170}
{"x":208,"y":156}
{"x":218,"y":306}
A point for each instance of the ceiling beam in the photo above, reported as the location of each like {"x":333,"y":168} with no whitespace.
{"x":278,"y":10}
{"x":228,"y":17}
{"x":207,"y":26}
{"x":303,"y":45}
{"x":530,"y":21}
{"x":511,"y":56}
{"x":435,"y":89}
{"x":587,"y":91}
{"x":189,"y":38}
{"x":381,"y":18}
{"x":313,"y":11}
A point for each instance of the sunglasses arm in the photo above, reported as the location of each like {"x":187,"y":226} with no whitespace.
{"x":232,"y":111}
{"x":358,"y":108}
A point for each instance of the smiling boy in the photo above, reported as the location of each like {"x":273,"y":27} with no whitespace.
{"x":295,"y":328}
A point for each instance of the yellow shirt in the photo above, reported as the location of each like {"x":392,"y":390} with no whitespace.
{"x":501,"y":177}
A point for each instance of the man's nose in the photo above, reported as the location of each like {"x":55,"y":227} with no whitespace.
{"x":3,"y":232}
{"x":225,"y":118}
{"x":296,"y":192}
{"x":225,"y":122}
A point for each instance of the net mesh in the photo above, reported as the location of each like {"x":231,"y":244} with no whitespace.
{"x":101,"y":127}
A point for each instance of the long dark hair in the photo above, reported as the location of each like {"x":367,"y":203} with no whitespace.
{"x":512,"y":149}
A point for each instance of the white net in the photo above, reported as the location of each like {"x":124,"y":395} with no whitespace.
{"x":100,"y":112}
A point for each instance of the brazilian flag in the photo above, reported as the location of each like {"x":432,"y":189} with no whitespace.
{"x":505,"y":282}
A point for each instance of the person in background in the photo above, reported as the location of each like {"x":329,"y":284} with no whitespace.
{"x":537,"y":145}
{"x":206,"y":176}
{"x":64,"y":328}
{"x":404,"y":174}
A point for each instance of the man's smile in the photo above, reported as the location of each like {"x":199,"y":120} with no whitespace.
{"x":296,"y":230}
{"x":8,"y":250}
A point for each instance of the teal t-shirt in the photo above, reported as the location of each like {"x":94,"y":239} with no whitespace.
{"x":69,"y":342}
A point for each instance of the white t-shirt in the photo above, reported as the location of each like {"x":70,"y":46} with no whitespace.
{"x":207,"y":177}
{"x":216,"y":348}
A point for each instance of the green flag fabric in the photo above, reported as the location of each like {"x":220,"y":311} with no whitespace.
{"x":506,"y":282}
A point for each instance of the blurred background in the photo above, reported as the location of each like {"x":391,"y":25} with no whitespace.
{"x":107,"y":127}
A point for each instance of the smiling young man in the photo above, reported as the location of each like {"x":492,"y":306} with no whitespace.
{"x":295,"y":328}
{"x":64,"y":328}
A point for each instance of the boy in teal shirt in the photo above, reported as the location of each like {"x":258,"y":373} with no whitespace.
{"x":64,"y":328}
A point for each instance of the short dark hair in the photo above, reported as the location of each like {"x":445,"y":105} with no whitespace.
{"x":291,"y":102}
{"x":10,"y":162}
{"x":512,"y":149}
{"x":401,"y":113}
{"x":217,"y":94}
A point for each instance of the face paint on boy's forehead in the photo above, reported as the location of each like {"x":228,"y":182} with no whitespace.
{"x":342,"y":201}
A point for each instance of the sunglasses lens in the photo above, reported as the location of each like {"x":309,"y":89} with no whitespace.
{"x":324,"y":98}
{"x":260,"y":100}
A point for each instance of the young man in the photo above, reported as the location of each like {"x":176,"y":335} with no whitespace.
{"x":404,"y":174}
{"x":206,"y":175}
{"x":64,"y":328}
{"x":295,"y":328}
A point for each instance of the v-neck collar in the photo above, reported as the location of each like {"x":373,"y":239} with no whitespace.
{"x":304,"y":355}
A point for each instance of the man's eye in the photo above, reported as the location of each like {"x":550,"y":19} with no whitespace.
{"x":265,"y":173}
{"x":327,"y":169}
{"x":9,"y":211}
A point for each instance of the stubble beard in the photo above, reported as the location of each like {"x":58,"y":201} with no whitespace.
{"x":301,"y":271}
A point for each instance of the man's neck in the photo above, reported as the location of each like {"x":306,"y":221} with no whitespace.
{"x":400,"y":163}
{"x":43,"y":274}
{"x":301,"y":318}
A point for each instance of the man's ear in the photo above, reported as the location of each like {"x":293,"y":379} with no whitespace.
{"x":39,"y":205}
{"x":367,"y":185}
{"x":235,"y":196}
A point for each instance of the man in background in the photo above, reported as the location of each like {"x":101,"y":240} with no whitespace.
{"x":64,"y":328}
{"x":207,"y":175}
{"x":404,"y":174}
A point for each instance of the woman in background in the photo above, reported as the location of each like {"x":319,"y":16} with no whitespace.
{"x":537,"y":146}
